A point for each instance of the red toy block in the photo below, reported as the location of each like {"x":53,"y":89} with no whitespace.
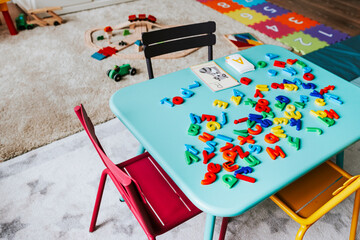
{"x":271,"y":138}
{"x":241,"y":120}
{"x":177,"y":100}
{"x":208,"y":118}
{"x":258,"y":94}
{"x":331,"y":114}
{"x":274,"y":153}
{"x":248,"y":139}
{"x":291,"y":61}
{"x":255,"y":132}
{"x":206,"y":137}
{"x":240,"y":152}
{"x":308,"y":76}
{"x":279,"y":64}
{"x":226,"y":147}
{"x":229,"y":155}
{"x":277,"y":85}
{"x":262,"y":108}
{"x":245,"y":178}
{"x":207,"y":156}
{"x":263,"y":102}
{"x":107,"y":51}
{"x":213,"y":168}
{"x":245,"y":80}
{"x":209,"y":178}
{"x":230,"y":166}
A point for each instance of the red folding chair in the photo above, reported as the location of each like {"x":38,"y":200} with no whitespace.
{"x":155,"y":200}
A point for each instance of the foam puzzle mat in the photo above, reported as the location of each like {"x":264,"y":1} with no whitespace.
{"x":302,"y":34}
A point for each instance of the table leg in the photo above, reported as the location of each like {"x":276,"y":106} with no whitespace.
{"x":209,"y":227}
{"x":340,"y":159}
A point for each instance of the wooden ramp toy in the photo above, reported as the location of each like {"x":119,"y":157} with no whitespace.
{"x":53,"y":19}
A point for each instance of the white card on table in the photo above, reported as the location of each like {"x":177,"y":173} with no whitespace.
{"x":239,"y":63}
{"x":214,"y":76}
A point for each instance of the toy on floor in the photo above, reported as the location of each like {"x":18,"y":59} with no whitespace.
{"x":127,"y":34}
{"x":21,"y":23}
{"x":5,"y":11}
{"x":119,"y":71}
{"x":53,"y":19}
{"x":243,"y":40}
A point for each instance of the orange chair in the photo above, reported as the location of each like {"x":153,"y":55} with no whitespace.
{"x":316,"y":193}
{"x":155,"y":200}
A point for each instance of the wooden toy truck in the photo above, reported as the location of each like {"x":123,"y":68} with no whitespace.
{"x":54,"y":19}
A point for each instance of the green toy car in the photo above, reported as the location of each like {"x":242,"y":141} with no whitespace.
{"x":120,"y":71}
{"x":21,"y":22}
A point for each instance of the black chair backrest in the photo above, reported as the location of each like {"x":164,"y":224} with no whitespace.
{"x":180,"y":38}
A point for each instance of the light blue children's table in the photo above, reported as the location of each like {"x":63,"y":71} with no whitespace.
{"x":163,"y":130}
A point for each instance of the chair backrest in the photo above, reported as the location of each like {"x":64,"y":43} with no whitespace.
{"x":128,"y":188}
{"x":180,"y":38}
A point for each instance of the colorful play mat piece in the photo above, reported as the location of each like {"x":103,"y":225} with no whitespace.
{"x":303,"y":34}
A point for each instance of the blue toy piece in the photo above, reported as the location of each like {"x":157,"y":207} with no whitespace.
{"x":186,"y":93}
{"x":224,"y":118}
{"x":237,"y":93}
{"x":255,"y":117}
{"x":255,"y":148}
{"x":288,"y":81}
{"x":98,"y":56}
{"x":271,"y":56}
{"x":290,"y":71}
{"x":304,"y":98}
{"x":308,"y":86}
{"x":265,"y":123}
{"x":338,"y":101}
{"x":166,"y":100}
{"x":243,"y":170}
{"x":272,"y":72}
{"x":191,"y":149}
{"x":307,"y":69}
{"x":194,"y":118}
{"x":297,"y":123}
{"x":225,"y":138}
{"x":297,"y":81}
{"x":211,"y":146}
{"x":194,"y":85}
{"x":315,"y":93}
{"x":329,"y":95}
{"x":282,"y":99}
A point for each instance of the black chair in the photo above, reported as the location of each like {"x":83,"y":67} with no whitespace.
{"x":177,"y":39}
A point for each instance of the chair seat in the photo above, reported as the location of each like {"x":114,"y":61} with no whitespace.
{"x":322,"y":181}
{"x":167,"y":204}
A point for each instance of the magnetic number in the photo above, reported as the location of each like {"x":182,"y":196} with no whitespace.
{"x":224,"y":5}
{"x":292,"y":19}
{"x":246,"y":15}
{"x":301,"y":41}
{"x":270,"y":9}
{"x":326,"y":34}
{"x":273,"y":27}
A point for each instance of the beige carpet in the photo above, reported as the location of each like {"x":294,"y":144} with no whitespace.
{"x":45,"y":72}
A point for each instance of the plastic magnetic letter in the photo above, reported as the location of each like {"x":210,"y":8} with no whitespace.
{"x":237,"y":93}
{"x":194,"y":85}
{"x":279,"y":64}
{"x":206,"y":137}
{"x":282,"y":99}
{"x":236,"y":100}
{"x":194,"y":118}
{"x":212,"y":126}
{"x":225,"y":138}
{"x":226,"y":147}
{"x":229,"y":180}
{"x":191,"y":149}
{"x":208,"y":117}
{"x":167,"y":101}
{"x":291,"y":61}
{"x":272,"y":72}
{"x":304,"y":99}
{"x":244,"y":170}
{"x":177,"y":100}
{"x":320,"y":102}
{"x":211,"y":146}
{"x":240,"y":152}
{"x":255,"y":148}
{"x":229,"y":155}
{"x":294,"y":142}
{"x":207,"y":157}
{"x":230,"y":166}
{"x":308,"y":76}
{"x":261,"y":64}
{"x":312,"y":129}
{"x":219,"y":104}
{"x":245,"y":80}
{"x":258,"y":94}
{"x":193,"y":129}
{"x":248,"y":139}
{"x":250,"y":102}
{"x":245,"y":178}
{"x":271,"y":138}
{"x":255,"y":132}
{"x":271,"y":56}
{"x":290,"y":71}
{"x":209,"y":178}
{"x":224,"y":118}
{"x":191,"y":157}
{"x":214,"y":168}
{"x":186,"y":93}
{"x":328,"y":121}
{"x":274,"y":153}
{"x":252,"y":161}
